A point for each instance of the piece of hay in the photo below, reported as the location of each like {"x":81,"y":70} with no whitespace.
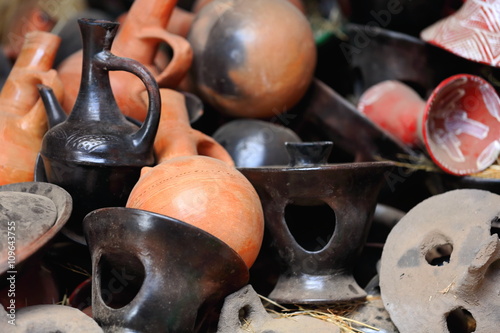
{"x":336,"y":314}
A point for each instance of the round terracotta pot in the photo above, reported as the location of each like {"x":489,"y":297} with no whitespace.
{"x":207,"y":192}
{"x":252,"y":59}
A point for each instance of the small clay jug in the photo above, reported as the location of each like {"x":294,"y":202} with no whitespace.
{"x":96,"y":154}
{"x":139,"y":38}
{"x":22,"y":116}
{"x":205,"y":191}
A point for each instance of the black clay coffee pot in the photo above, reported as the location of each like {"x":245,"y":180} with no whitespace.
{"x":96,"y":154}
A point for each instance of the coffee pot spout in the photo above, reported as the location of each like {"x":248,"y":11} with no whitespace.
{"x":55,"y":113}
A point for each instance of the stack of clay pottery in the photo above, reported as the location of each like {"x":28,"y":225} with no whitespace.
{"x":205,"y":191}
{"x":192,"y":227}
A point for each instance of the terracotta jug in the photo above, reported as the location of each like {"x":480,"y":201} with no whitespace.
{"x":139,"y":38}
{"x":22,"y":116}
{"x":207,"y":192}
{"x":96,"y":154}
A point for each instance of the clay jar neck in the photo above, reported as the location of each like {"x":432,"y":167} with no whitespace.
{"x":173,"y":138}
{"x":20,"y":93}
{"x":142,"y":15}
{"x":308,"y":154}
{"x":95,"y":101}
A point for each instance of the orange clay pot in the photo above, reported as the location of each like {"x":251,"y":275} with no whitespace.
{"x":204,"y":191}
{"x":252,"y":59}
{"x":199,"y":4}
{"x":181,"y":20}
{"x":23,"y":120}
{"x":139,"y":37}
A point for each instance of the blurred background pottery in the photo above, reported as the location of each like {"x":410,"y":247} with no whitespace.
{"x":459,"y":125}
{"x":406,"y":16}
{"x":22,"y":115}
{"x":96,"y":154}
{"x":472,"y":32}
{"x":252,"y":59}
{"x":139,"y":38}
{"x":153,"y":273}
{"x":325,"y":114}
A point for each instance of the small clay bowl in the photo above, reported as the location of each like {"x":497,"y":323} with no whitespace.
{"x":39,"y":211}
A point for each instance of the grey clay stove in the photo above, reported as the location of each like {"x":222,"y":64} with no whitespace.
{"x":324,"y":275}
{"x":440,"y":268}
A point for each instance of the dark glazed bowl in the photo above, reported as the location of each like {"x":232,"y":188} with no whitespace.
{"x":153,"y":273}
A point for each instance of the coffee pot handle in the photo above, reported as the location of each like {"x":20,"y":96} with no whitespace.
{"x":145,"y":136}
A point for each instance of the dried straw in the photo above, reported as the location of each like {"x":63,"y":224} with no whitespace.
{"x":335,"y":313}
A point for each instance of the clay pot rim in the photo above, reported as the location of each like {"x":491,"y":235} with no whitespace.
{"x":160,"y":222}
{"x":380,"y":32}
{"x":455,"y":25}
{"x":425,"y":131}
{"x":63,"y":214}
{"x":323,"y":167}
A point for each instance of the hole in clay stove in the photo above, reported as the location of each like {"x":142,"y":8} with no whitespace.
{"x":121,"y":278}
{"x":243,"y":315}
{"x":312,"y":226}
{"x":460,"y":321}
{"x":439,"y":255}
{"x":495,"y":226}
